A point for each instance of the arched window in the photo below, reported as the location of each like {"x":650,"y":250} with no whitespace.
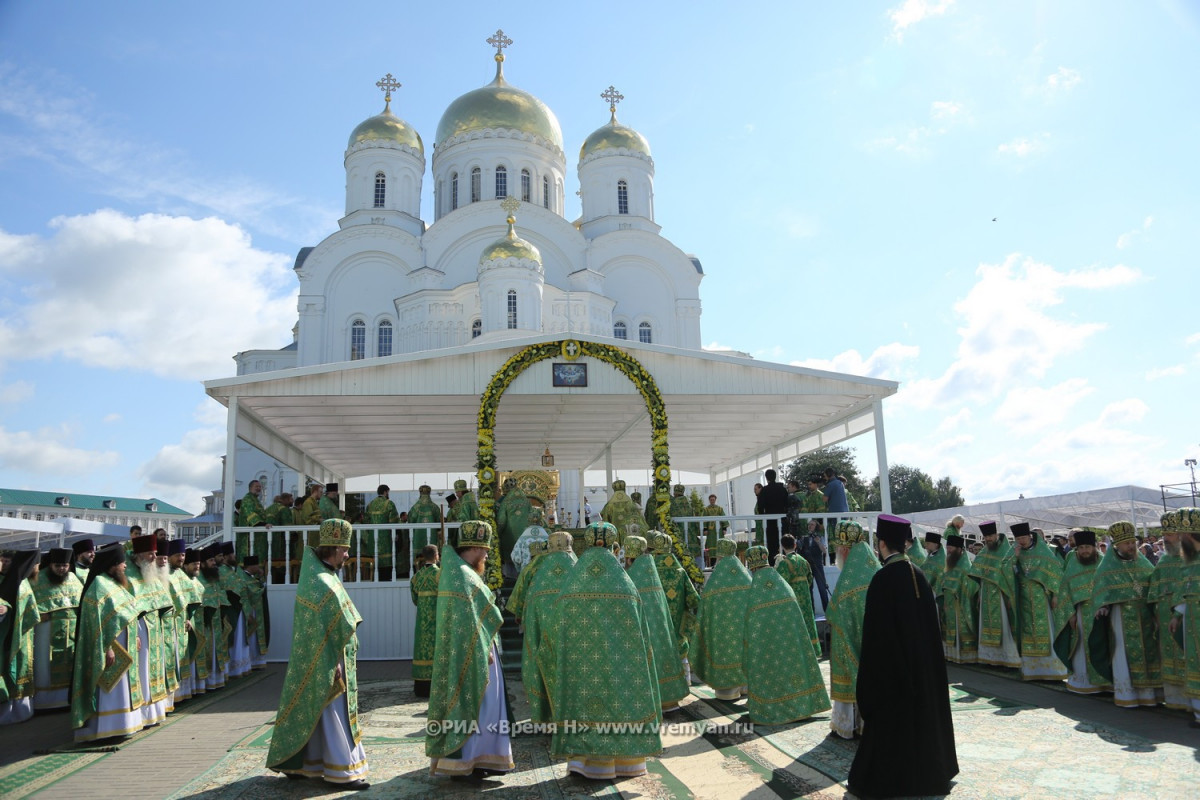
{"x":526,"y":186}
{"x":620,"y":331}
{"x":476,"y":329}
{"x":645,"y":333}
{"x":512,"y":309}
{"x":546,"y":192}
{"x":622,"y":197}
{"x":384,"y":339}
{"x":454,"y":191}
{"x":476,"y":184}
{"x":501,"y":182}
{"x":380,"y":189}
{"x":358,"y":340}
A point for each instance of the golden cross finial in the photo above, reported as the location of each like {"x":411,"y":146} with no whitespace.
{"x":510,"y":204}
{"x":499,"y":41}
{"x":388,"y":84}
{"x":613,"y":97}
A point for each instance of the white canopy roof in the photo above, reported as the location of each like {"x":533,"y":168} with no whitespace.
{"x":417,"y":412}
{"x":1097,"y":508}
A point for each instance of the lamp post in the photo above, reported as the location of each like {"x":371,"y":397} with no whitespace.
{"x":1190,"y":463}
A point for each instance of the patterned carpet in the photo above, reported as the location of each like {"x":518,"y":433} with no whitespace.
{"x":1005,"y":750}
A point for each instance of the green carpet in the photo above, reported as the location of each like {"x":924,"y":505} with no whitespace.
{"x":22,"y":780}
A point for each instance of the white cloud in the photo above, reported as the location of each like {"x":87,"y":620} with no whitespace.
{"x":109,"y":419}
{"x":173,"y":296}
{"x":1034,"y":408}
{"x":1126,"y":239}
{"x":1064,"y":79}
{"x":945,"y":110}
{"x":1165,"y":372}
{"x":916,"y":140}
{"x":1193,"y":339}
{"x":961,"y":418}
{"x":886,"y":362}
{"x":183,"y":473}
{"x":1007,"y":337}
{"x":1024,"y":146}
{"x":910,"y":12}
{"x":16,"y":392}
{"x":49,"y":451}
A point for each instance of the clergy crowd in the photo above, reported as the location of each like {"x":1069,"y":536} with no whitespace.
{"x":118,"y":636}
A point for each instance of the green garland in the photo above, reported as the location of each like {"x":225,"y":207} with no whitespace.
{"x":628,"y":366}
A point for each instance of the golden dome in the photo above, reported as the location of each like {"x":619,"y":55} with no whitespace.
{"x":510,"y":246}
{"x":499,"y":105}
{"x":614,"y":136}
{"x":387,"y":127}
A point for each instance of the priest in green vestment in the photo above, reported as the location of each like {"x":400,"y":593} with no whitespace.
{"x":57,"y":592}
{"x":858,"y":564}
{"x":516,"y":600}
{"x":1124,"y":641}
{"x":599,"y":669}
{"x":672,"y":681}
{"x":316,"y":733}
{"x":17,"y":638}
{"x":1185,"y":624}
{"x":783,"y":680}
{"x":681,"y":506}
{"x":284,"y":546}
{"x":258,"y":617}
{"x":1077,"y":618}
{"x":467,"y":727}
{"x":957,"y":598}
{"x":935,"y":559}
{"x":621,"y":512}
{"x":237,"y":612}
{"x":427,"y":511}
{"x":997,"y":600}
{"x":1038,"y":573}
{"x":85,"y":552}
{"x":251,"y":514}
{"x":212,"y":655}
{"x":513,"y":514}
{"x":328,"y":504}
{"x":106,"y":691}
{"x":683,"y":601}
{"x":717,"y":656}
{"x":1166,"y":592}
{"x":710,"y":530}
{"x":915,"y":552}
{"x":424,"y":589}
{"x":186,"y":596}
{"x":149,"y":591}
{"x":794,"y":568}
{"x":539,"y":614}
{"x":381,"y":543}
{"x":466,"y":507}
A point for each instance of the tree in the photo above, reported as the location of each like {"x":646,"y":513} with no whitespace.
{"x":913,"y":490}
{"x":839,"y":459}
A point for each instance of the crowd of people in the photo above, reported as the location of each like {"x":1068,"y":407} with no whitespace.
{"x":118,"y":636}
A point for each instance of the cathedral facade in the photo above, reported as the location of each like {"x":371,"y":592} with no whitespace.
{"x":500,"y":259}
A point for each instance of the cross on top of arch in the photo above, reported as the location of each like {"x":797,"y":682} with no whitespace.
{"x":499,"y":41}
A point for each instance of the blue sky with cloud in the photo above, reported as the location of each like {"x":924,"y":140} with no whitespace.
{"x":994,"y":204}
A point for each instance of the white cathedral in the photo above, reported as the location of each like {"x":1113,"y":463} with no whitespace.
{"x":386,"y":282}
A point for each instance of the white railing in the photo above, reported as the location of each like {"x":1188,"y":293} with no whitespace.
{"x":691,"y":527}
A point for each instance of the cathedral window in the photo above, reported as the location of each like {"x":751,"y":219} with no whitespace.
{"x":476,"y":329}
{"x":512,"y":309}
{"x":380,"y":189}
{"x":622,"y":197}
{"x":384,"y":339}
{"x":476,"y":185}
{"x":620,"y":331}
{"x":454,"y":191}
{"x":501,"y":182}
{"x":546,"y":192}
{"x":526,"y":186}
{"x":645,"y":333}
{"x":358,"y":340}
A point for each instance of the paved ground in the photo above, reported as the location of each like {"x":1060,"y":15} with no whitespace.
{"x":1145,"y":752}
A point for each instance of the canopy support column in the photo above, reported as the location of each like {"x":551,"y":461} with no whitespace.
{"x":885,"y":484}
{"x":230,"y":478}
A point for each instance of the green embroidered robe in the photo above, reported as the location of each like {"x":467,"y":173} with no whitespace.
{"x":1076,"y":593}
{"x":997,"y":592}
{"x":424,"y":510}
{"x":186,"y":596}
{"x":598,"y":666}
{"x":251,"y":514}
{"x":934,"y":567}
{"x":717,"y":657}
{"x":795,"y":569}
{"x":682,"y":507}
{"x":467,"y":623}
{"x":916,"y":554}
{"x":1126,"y":584}
{"x":424,"y":591}
{"x":672,"y":682}
{"x":61,"y":602}
{"x":379,"y":543}
{"x":1190,"y":627}
{"x":622,"y":513}
{"x":958,"y":603}
{"x":1038,"y":572}
{"x":154,"y":604}
{"x":514,"y":513}
{"x":845,"y":616}
{"x":323,"y":636}
{"x":216,"y":628}
{"x":1166,"y":592}
{"x":682,"y":599}
{"x":17,"y":631}
{"x":540,"y":616}
{"x":106,"y":610}
{"x":516,"y":600}
{"x":258,"y":620}
{"x":280,"y":516}
{"x":710,"y":528}
{"x":783,"y":680}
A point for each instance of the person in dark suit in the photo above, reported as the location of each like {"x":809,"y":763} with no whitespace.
{"x":773,"y":499}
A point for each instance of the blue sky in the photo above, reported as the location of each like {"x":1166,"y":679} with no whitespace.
{"x":994,"y":204}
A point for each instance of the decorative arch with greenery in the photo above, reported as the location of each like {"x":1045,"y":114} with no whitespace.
{"x":571,"y":350}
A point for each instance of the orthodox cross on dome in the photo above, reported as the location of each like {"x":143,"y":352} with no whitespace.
{"x":510,"y":204}
{"x":388,"y":84}
{"x":613,"y":97}
{"x":499,"y":41}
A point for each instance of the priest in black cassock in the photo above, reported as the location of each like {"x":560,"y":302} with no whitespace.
{"x":902,"y":688}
